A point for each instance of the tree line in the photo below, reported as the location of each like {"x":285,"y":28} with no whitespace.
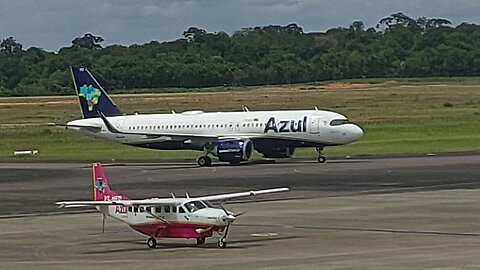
{"x":399,"y":46}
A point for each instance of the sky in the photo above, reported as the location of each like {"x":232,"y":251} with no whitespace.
{"x":53,"y":24}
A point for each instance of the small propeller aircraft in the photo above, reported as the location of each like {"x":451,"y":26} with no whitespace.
{"x":164,"y":217}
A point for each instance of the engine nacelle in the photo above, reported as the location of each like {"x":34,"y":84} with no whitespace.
{"x":234,"y":151}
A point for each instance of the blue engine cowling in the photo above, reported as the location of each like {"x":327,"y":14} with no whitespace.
{"x":234,"y":151}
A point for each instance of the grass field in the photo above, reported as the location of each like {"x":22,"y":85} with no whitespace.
{"x":399,"y":117}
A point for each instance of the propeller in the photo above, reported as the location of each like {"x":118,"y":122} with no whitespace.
{"x":229,"y":217}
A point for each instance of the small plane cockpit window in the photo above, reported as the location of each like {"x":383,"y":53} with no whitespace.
{"x":338,"y":122}
{"x":194,"y":206}
{"x":181,"y":209}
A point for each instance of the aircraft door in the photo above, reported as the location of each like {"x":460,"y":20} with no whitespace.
{"x":314,"y":125}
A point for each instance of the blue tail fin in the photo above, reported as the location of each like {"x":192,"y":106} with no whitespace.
{"x":93,"y":98}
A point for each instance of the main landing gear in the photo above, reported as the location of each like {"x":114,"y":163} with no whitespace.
{"x":152,"y":242}
{"x":321,"y":158}
{"x":204,"y":161}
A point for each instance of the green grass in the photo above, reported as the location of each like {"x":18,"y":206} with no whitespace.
{"x":400,"y":117}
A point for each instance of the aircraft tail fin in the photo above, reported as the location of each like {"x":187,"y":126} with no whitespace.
{"x":91,"y":95}
{"x":101,"y":187}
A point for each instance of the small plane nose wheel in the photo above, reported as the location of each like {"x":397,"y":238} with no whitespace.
{"x":204,"y":161}
{"x":152,"y":242}
{"x":222,"y":243}
{"x":321,"y":158}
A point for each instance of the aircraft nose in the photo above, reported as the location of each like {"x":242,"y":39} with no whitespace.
{"x":357,"y":132}
{"x":224,"y":218}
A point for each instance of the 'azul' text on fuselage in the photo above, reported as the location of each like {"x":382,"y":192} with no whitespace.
{"x":285,"y":125}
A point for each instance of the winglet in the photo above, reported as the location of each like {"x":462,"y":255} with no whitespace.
{"x":109,"y":125}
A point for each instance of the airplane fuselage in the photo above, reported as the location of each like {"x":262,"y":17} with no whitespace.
{"x":171,"y":220}
{"x":298,"y":128}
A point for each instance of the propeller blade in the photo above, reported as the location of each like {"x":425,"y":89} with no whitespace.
{"x":239,"y":214}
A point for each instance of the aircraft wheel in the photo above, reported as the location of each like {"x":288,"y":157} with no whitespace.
{"x":152,"y":242}
{"x":222,"y":243}
{"x":322,"y":159}
{"x":204,"y":161}
{"x":200,"y":240}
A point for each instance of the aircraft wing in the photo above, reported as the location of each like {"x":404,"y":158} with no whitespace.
{"x":143,"y":202}
{"x":163,"y":201}
{"x":224,"y":197}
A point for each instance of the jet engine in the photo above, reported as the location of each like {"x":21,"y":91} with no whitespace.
{"x":234,"y":151}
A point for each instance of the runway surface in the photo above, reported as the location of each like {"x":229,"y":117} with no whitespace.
{"x":415,"y":213}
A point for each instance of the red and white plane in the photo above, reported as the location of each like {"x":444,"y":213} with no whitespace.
{"x":164,"y":217}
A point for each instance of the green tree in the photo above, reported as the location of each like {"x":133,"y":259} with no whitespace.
{"x":88,"y":41}
{"x":10,"y":46}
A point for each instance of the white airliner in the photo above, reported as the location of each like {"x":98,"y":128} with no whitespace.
{"x":229,"y":136}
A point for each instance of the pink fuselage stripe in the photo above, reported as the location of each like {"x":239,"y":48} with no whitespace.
{"x":177,"y":230}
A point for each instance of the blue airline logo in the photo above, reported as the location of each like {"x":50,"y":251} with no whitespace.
{"x":91,"y":94}
{"x":282,"y":126}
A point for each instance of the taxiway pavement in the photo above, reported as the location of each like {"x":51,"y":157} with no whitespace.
{"x":391,"y":213}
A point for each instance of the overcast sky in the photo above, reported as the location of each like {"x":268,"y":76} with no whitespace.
{"x":52,"y":24}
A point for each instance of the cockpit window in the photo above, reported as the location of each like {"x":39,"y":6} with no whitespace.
{"x":338,"y":122}
{"x":194,"y":206}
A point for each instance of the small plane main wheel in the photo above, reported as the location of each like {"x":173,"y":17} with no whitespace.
{"x":200,"y":240}
{"x":322,"y":159}
{"x":152,"y":242}
{"x":222,"y":243}
{"x":204,"y":161}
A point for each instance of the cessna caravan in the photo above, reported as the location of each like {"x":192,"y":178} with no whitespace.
{"x":229,"y":136}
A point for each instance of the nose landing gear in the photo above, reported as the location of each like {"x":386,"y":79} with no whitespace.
{"x":222,"y":242}
{"x":321,"y":158}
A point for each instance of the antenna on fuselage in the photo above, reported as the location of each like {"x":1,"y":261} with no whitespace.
{"x":187,"y":195}
{"x":245,"y":108}
{"x":316,"y":108}
{"x":173,"y":195}
{"x":173,"y":112}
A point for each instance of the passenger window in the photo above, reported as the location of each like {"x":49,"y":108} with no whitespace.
{"x":167,"y":208}
{"x":158,"y":209}
{"x":141,"y":209}
{"x":174,"y":209}
{"x":130,"y":209}
{"x":149,"y":209}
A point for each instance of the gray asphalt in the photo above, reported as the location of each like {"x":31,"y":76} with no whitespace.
{"x":386,"y":213}
{"x":29,"y":188}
